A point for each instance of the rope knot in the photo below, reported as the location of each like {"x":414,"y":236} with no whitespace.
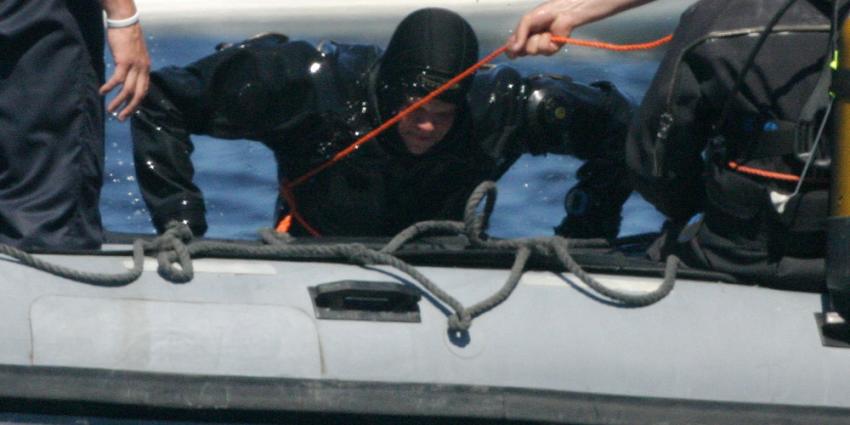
{"x":174,"y":260}
{"x":460,"y":321}
{"x":360,"y":254}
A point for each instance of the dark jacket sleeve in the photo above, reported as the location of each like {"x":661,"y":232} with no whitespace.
{"x":547,"y":114}
{"x":570,"y":118}
{"x":242,"y":92}
{"x":665,"y":143}
{"x":589,"y":122}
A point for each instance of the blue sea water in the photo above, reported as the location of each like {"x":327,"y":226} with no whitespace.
{"x":238,"y":177}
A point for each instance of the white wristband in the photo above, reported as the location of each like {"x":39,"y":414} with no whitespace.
{"x":123,"y":23}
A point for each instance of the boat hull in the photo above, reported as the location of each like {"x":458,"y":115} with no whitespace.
{"x":243,"y":331}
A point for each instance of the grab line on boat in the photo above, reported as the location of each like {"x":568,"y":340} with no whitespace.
{"x":175,"y":250}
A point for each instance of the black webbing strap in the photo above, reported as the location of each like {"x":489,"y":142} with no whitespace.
{"x":841,"y":83}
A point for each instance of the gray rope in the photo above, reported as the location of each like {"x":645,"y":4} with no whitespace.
{"x":419,"y":229}
{"x":356,"y":253}
{"x":560,"y":247}
{"x":174,"y":252}
{"x":99,"y":279}
{"x":171,"y":238}
{"x":627,"y":298}
{"x":463,"y":320}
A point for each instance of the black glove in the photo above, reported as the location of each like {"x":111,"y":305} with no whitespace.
{"x":594,"y":205}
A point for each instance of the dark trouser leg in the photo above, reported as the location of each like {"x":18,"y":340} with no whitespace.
{"x":51,"y":123}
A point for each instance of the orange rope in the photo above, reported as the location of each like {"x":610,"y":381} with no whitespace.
{"x":286,"y":188}
{"x":763,"y":173}
{"x":285,"y":224}
{"x":614,"y":47}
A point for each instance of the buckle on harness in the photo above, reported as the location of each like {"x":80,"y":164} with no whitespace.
{"x":665,"y":124}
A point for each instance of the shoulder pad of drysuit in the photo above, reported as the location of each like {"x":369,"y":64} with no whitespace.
{"x":497,"y":86}
{"x":332,"y":48}
{"x":264,"y":39}
{"x":351,"y":59}
{"x":490,"y":76}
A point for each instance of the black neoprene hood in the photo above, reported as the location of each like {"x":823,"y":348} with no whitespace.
{"x":428,"y":48}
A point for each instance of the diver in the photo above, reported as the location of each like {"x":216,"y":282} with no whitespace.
{"x":307,"y":103}
{"x":732,"y":141}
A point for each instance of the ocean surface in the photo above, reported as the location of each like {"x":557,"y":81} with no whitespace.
{"x":238,"y":176}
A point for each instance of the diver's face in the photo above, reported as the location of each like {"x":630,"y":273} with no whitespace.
{"x":426,"y":126}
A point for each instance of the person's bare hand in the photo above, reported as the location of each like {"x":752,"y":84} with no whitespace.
{"x":533,"y":33}
{"x":132,"y":69}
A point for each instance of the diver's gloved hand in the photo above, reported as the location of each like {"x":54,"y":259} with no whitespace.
{"x":587,"y":218}
{"x":594,"y":205}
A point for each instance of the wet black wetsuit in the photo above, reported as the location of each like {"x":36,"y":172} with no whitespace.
{"x":307,"y":103}
{"x":51,"y":123}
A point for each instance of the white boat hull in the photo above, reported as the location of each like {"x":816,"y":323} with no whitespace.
{"x":706,"y":342}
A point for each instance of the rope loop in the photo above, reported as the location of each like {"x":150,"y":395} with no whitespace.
{"x":476,"y":224}
{"x":173,"y":258}
{"x":174,"y":250}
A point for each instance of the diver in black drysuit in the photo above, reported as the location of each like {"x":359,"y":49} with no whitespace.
{"x":701,"y":144}
{"x":307,"y":103}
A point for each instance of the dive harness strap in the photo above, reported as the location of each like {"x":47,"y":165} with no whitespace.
{"x":772,"y":139}
{"x":776,"y":138}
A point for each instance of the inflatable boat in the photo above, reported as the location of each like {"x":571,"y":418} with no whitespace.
{"x":457,"y":328}
{"x":438,"y":329}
